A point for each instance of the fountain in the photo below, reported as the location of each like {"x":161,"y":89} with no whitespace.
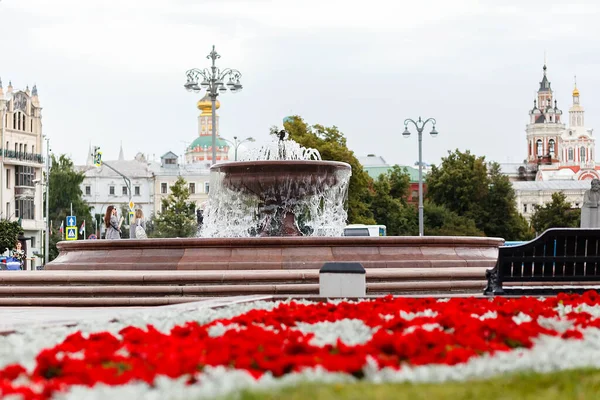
{"x":272,"y":221}
{"x":281,"y":190}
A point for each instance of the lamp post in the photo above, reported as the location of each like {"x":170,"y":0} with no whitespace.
{"x":3,"y":106}
{"x":213,"y":82}
{"x":47,"y":191}
{"x":237,"y":143}
{"x":420,"y":124}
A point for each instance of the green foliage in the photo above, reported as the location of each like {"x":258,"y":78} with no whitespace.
{"x":440,"y":221}
{"x":392,"y":211}
{"x":9,"y":231}
{"x":556,"y":214}
{"x":64,"y":190}
{"x":331,"y":143}
{"x":469,"y":187}
{"x":178,"y":218}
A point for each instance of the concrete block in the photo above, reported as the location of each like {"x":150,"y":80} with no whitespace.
{"x":342,"y":279}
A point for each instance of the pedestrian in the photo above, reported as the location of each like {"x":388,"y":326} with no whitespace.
{"x":19,"y":254}
{"x":139,"y":226}
{"x":113,"y":228}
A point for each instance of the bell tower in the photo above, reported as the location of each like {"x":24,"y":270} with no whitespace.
{"x":545,"y":126}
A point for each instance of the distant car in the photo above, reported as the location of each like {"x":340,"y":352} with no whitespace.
{"x":365,"y":230}
{"x":9,"y":264}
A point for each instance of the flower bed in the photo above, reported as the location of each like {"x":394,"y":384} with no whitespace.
{"x":274,"y":343}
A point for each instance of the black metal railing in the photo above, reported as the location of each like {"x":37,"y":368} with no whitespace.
{"x":22,"y":156}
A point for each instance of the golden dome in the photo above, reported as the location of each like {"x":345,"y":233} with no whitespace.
{"x":205,"y":105}
{"x":575,"y":92}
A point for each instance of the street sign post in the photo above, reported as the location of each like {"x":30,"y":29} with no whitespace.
{"x":71,"y":233}
{"x":71,"y":220}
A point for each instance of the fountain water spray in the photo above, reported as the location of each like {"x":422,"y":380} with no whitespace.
{"x":281,"y":189}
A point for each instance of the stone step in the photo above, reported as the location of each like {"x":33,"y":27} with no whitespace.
{"x":238,"y":277}
{"x":223,"y":290}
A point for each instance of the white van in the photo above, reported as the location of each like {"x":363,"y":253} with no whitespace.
{"x":365,"y":230}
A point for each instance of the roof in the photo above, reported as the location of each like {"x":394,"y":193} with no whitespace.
{"x":205,"y":140}
{"x":169,"y":154}
{"x":551,"y":185}
{"x":372,"y":161}
{"x":129,"y":168}
{"x":374,"y":172}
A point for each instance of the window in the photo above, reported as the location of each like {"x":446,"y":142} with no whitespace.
{"x":551,"y":147}
{"x":414,"y":194}
{"x":162,"y":208}
{"x":24,"y":176}
{"x":524,"y":208}
{"x":192,"y":188}
{"x":7,"y":209}
{"x":206,"y":187}
{"x":111,"y":190}
{"x":24,"y":208}
{"x":136,"y":190}
{"x":20,"y":147}
{"x":582,"y":154}
{"x":25,"y":149}
{"x":163,"y":188}
{"x":32,"y":149}
{"x":16,"y":147}
{"x":33,"y":241}
{"x":571,"y":154}
{"x":88,"y":190}
{"x":540,"y":149}
{"x":8,"y":178}
{"x":124,"y":190}
{"x":171,"y":161}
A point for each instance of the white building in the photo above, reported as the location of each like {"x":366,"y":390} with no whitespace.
{"x":102,"y":186}
{"x":150,"y":183}
{"x":559,"y":151}
{"x":530,"y":193}
{"x":168,"y":171}
{"x":22,"y":164}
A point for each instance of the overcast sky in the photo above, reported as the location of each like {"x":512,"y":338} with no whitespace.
{"x":113,"y":70}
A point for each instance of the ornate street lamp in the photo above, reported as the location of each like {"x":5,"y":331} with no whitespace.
{"x":420,"y":124}
{"x":236,"y":143}
{"x":213,"y":81}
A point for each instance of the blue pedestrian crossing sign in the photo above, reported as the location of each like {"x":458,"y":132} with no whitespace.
{"x":71,"y":220}
{"x":71,"y":233}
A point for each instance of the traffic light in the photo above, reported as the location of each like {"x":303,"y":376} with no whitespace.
{"x":97,"y":156}
{"x":98,"y":159}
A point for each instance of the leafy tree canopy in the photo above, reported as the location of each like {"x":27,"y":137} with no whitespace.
{"x":466,"y":185}
{"x":9,"y":231}
{"x":556,"y":214}
{"x":331,"y":143}
{"x":65,"y":190}
{"x":178,"y":215}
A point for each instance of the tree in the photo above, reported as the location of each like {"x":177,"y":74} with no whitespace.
{"x":466,"y":185}
{"x":389,"y":210}
{"x":331,"y":144}
{"x":178,"y":215}
{"x":460,"y":183}
{"x":65,"y":190}
{"x":499,"y":215}
{"x":556,"y":214}
{"x":9,"y":231}
{"x":440,"y":221}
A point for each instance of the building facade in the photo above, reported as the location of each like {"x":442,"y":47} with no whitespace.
{"x":200,"y":150}
{"x":376,"y":165}
{"x":558,"y":149}
{"x":22,"y":164}
{"x":531,"y":193}
{"x":102,"y":187}
{"x":168,"y":171}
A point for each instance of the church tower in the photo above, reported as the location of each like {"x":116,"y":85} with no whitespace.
{"x":545,"y":126}
{"x":200,"y":151}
